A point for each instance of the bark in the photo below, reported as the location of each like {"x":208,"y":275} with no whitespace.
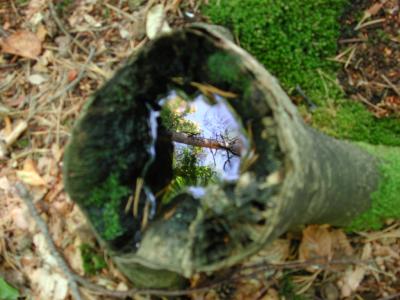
{"x":294,"y":175}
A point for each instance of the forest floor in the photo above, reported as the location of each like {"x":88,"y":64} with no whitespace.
{"x":54,"y":56}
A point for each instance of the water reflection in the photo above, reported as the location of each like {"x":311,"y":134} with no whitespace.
{"x":209,"y":142}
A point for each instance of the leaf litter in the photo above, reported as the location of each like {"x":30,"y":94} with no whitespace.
{"x":38,"y":67}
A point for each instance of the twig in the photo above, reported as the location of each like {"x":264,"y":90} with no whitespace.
{"x":373,"y":22}
{"x":363,"y":99}
{"x":392,"y":297}
{"x":61,"y":27}
{"x":395,"y":88}
{"x":25,"y":195}
{"x":120,"y":11}
{"x":12,"y":138}
{"x":73,"y":83}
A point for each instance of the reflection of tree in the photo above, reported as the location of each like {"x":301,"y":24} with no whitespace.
{"x":187,"y":132}
{"x":188,"y":172}
{"x":233,"y":145}
{"x":187,"y":168}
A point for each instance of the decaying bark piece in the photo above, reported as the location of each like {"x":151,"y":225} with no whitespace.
{"x":292,"y":176}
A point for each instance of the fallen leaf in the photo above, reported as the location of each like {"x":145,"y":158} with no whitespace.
{"x":22,"y":43}
{"x":7,"y":291}
{"x":91,"y":21}
{"x":353,"y":276}
{"x":34,"y":6}
{"x":41,"y":32}
{"x":37,"y":79}
{"x":29,"y":174}
{"x":49,"y":285}
{"x":20,"y":218}
{"x":351,"y":281}
{"x":155,"y":22}
{"x":4,"y":184}
{"x":341,"y":244}
{"x":316,"y":243}
{"x":72,"y":74}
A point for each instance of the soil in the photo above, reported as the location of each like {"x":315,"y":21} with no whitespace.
{"x":369,"y":49}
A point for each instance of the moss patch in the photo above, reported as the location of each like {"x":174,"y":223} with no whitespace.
{"x":93,"y":261}
{"x":294,"y":40}
{"x":291,"y":38}
{"x":108,"y":198}
{"x":386,"y":200}
{"x":350,"y":120}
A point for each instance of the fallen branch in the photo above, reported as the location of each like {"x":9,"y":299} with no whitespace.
{"x":25,"y":195}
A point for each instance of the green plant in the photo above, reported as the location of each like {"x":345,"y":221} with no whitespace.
{"x":107,"y":198}
{"x":7,"y":292}
{"x":93,"y":261}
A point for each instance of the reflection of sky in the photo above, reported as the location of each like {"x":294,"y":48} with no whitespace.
{"x":215,"y":122}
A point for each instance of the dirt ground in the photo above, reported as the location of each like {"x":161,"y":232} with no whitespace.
{"x":369,"y":48}
{"x":56,"y":54}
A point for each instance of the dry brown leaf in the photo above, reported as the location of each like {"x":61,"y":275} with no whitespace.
{"x":22,"y":43}
{"x":316,"y":243}
{"x":341,"y":244}
{"x":41,"y":32}
{"x":72,"y":74}
{"x":29,"y":174}
{"x":353,"y":276}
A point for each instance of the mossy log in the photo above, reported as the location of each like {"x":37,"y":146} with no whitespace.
{"x":291,"y":174}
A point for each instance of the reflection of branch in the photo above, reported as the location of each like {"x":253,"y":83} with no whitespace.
{"x":235,"y":146}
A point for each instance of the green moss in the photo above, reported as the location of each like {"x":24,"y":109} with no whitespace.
{"x":350,"y":120}
{"x":386,"y":200}
{"x":93,"y":261}
{"x":294,"y":40}
{"x":291,"y":38}
{"x":107,"y":199}
{"x":223,"y":67}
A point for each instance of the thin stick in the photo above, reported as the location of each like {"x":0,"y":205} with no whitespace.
{"x":12,"y":138}
{"x":73,"y":83}
{"x":392,"y":297}
{"x":61,"y":27}
{"x":25,"y":195}
{"x":395,"y":88}
{"x":120,"y":11}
